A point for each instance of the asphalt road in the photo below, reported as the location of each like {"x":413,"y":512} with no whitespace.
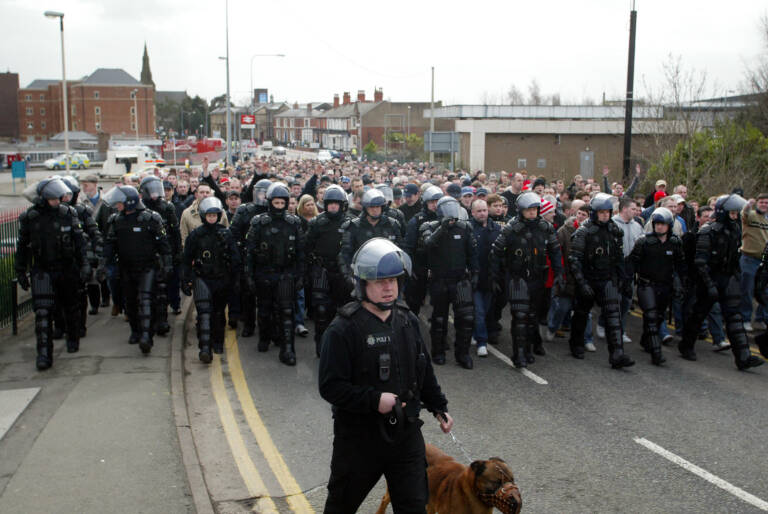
{"x":579,"y":436}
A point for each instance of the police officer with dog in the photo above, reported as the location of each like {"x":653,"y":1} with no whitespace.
{"x":375,"y":371}
{"x":52,"y":249}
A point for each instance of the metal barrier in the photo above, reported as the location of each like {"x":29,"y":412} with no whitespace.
{"x":10,"y":308}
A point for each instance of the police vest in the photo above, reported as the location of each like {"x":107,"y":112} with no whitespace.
{"x":51,"y":232}
{"x":276,"y":240}
{"x":526,"y":253}
{"x":210,"y":257}
{"x":325,"y":234}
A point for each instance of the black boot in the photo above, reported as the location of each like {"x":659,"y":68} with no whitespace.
{"x":248,"y":331}
{"x":493,"y":337}
{"x":44,"y":357}
{"x":58,"y":333}
{"x":518,"y":355}
{"x":145,"y":342}
{"x":134,"y":338}
{"x":73,"y":345}
{"x":762,"y":343}
{"x":618,"y":359}
{"x":653,"y":343}
{"x":162,"y":328}
{"x":287,"y":354}
{"x":744,"y":358}
{"x":218,"y":348}
{"x":205,"y":354}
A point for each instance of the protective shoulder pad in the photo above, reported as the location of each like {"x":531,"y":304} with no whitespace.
{"x":345,"y":225}
{"x":264,"y":219}
{"x":113,"y":217}
{"x":590,"y":229}
{"x":320,"y":220}
{"x":546,"y":226}
{"x":348,"y":309}
{"x":30,"y":214}
{"x":675,"y":240}
{"x":706,"y":229}
{"x":292,"y":219}
{"x":649,"y":239}
{"x":66,"y":210}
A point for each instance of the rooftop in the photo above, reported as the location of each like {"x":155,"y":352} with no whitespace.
{"x":111,"y":77}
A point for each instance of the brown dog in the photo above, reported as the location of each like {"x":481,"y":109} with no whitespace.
{"x":458,"y":489}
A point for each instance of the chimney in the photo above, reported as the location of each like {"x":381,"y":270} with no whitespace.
{"x":347,"y":98}
{"x":296,"y":105}
{"x":335,"y":101}
{"x":361,"y":95}
{"x":378,"y":95}
{"x":309,"y":108}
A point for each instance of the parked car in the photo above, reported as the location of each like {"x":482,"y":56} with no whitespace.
{"x":77,"y":161}
{"x":324,"y":155}
{"x":279,"y":150}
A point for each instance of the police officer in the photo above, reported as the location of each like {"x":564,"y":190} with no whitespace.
{"x":211,"y":268}
{"x":597,"y":265}
{"x":275,"y":269}
{"x":658,"y":259}
{"x":519,"y":259}
{"x":371,"y":223}
{"x":136,"y":241}
{"x":453,"y":270}
{"x":329,"y":289}
{"x":717,"y":280}
{"x":397,"y":214}
{"x":93,"y":250}
{"x":239,"y":227}
{"x":52,"y":248}
{"x":416,"y":286}
{"x":153,"y":197}
{"x":375,"y":372}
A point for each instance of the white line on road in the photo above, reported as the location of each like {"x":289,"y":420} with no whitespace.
{"x":706,"y":475}
{"x":524,"y":371}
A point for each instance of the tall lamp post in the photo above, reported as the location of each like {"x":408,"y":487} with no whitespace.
{"x":136,"y":112}
{"x":229,"y":110}
{"x":60,"y":16}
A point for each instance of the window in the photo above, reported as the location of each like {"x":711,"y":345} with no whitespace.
{"x":541,"y":163}
{"x":352,"y":122}
{"x":30,"y":125}
{"x":74,"y":109}
{"x":98,"y":125}
{"x":42,"y":111}
{"x":28,"y":98}
{"x":133,"y":95}
{"x":133,"y":125}
{"x":42,"y":98}
{"x":522,"y":164}
{"x":133,"y":110}
{"x":30,"y":111}
{"x":307,"y":122}
{"x":96,"y":95}
{"x":74,"y":125}
{"x":97,"y":110}
{"x":42,"y":124}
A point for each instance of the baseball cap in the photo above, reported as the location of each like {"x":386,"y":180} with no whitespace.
{"x":397,"y":192}
{"x":482,"y":192}
{"x":411,"y":189}
{"x":166,"y":185}
{"x":678,"y":199}
{"x":661,"y":183}
{"x":658,"y":195}
{"x":467,"y":190}
{"x":90,"y":178}
{"x":345,"y":180}
{"x":233,"y":193}
{"x":454,"y":191}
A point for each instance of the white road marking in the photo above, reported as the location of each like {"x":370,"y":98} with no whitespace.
{"x":706,"y":475}
{"x":524,"y":371}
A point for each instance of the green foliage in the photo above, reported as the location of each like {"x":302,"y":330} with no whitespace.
{"x":714,"y":162}
{"x":371,"y":147}
{"x":169,"y":115}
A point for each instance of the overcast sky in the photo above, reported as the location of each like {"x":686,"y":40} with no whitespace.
{"x":478,"y":48}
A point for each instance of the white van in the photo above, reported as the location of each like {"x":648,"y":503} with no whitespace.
{"x":125,"y":159}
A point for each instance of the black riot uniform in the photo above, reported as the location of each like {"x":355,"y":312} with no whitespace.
{"x":152,"y":194}
{"x":453,"y":269}
{"x":519,"y":260}
{"x":136,"y":241}
{"x":363,"y":358}
{"x":359,"y":230}
{"x":239,"y":227}
{"x":329,"y":289}
{"x":717,"y":280}
{"x":416,"y":284}
{"x":275,"y":269}
{"x":94,"y":244}
{"x":395,"y":214}
{"x":658,"y":259}
{"x":52,"y":248}
{"x":597,"y":266}
{"x":211,"y":268}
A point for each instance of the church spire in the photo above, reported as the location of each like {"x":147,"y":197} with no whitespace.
{"x":146,"y":73}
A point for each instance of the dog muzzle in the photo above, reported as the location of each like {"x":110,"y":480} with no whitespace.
{"x":506,"y":498}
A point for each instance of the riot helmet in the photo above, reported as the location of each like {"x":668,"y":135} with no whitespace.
{"x":373,"y":198}
{"x":151,"y":189}
{"x":726,"y":203}
{"x":210,"y":205}
{"x":278,"y":190}
{"x":379,"y":258}
{"x":260,"y":192}
{"x":52,"y":188}
{"x":528,"y":200}
{"x":601,"y":202}
{"x":449,"y":208}
{"x":73,"y":185}
{"x":127,"y":195}
{"x":335,"y":194}
{"x":662,"y":215}
{"x":389,"y":195}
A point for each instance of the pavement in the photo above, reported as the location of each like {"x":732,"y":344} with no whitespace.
{"x":109,"y":429}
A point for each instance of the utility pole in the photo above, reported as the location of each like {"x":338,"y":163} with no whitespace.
{"x":229,"y":110}
{"x":630,"y":91}
{"x":432,"y":119}
{"x":64,"y":104}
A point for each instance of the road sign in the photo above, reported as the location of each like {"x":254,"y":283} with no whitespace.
{"x":441,"y":142}
{"x":247,"y":120}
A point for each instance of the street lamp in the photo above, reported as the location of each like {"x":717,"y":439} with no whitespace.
{"x":253,"y":99}
{"x":229,"y":111}
{"x":60,"y":16}
{"x":136,"y":112}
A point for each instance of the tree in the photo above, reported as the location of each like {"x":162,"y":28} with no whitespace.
{"x":757,"y":84}
{"x":715,"y":161}
{"x":515,"y":96}
{"x":534,"y":93}
{"x":371,"y":147}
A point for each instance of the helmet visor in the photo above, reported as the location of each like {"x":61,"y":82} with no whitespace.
{"x":451,"y":210}
{"x":114,"y":196}
{"x":153,"y":189}
{"x":55,"y":188}
{"x":380,"y":258}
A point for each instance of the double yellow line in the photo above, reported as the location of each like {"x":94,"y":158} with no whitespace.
{"x":250,"y":474}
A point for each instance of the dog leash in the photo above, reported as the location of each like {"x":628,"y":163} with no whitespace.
{"x":461,"y":447}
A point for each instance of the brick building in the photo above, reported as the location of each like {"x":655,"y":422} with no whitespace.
{"x":9,"y":106}
{"x":107,"y":101}
{"x":300,"y":124}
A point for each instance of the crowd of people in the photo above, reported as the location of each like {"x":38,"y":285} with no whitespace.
{"x":271,"y":242}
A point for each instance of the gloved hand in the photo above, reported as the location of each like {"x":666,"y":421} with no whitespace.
{"x":298,"y":284}
{"x":186,"y":288}
{"x":677,"y":289}
{"x":446,"y":223}
{"x":586,"y":291}
{"x":85,"y":272}
{"x":23,"y":280}
{"x":712,"y":292}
